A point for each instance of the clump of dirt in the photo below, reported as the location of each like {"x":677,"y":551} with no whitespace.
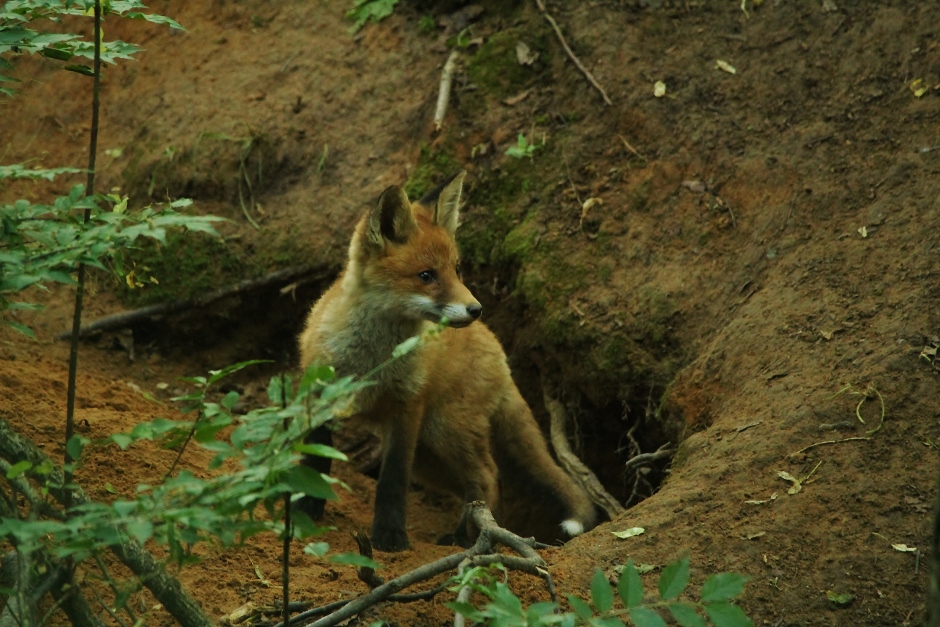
{"x":738,"y":267}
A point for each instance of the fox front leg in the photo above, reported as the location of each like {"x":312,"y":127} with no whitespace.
{"x":391,"y":493}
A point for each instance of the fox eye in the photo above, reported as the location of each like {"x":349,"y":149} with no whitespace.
{"x":427,"y":276}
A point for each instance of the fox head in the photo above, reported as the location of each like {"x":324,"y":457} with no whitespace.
{"x":405,"y":254}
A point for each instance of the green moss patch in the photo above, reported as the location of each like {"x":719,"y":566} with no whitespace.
{"x":185,"y":266}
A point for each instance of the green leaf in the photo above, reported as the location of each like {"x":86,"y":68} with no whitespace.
{"x":609,"y":621}
{"x":122,"y":439}
{"x":582,"y":609}
{"x":724,"y":614}
{"x":466,"y":609}
{"x":685,"y":615}
{"x":217,"y":375}
{"x":17,"y":469}
{"x":303,"y":480}
{"x":304,"y":527}
{"x":601,"y":594}
{"x":645,"y":617}
{"x":630,"y":586}
{"x":80,"y":69}
{"x":406,"y":347}
{"x":280,"y":390}
{"x":353,"y":559}
{"x":321,"y":450}
{"x":317,"y":549}
{"x":229,"y":400}
{"x":155,"y":19}
{"x":537,"y":612}
{"x":141,"y":530}
{"x":56,"y":53}
{"x":723,"y":587}
{"x":674,"y":579}
{"x":22,"y":328}
{"x":369,"y":10}
{"x":74,"y":447}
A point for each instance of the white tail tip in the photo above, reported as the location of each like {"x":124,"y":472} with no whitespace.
{"x":572,"y":527}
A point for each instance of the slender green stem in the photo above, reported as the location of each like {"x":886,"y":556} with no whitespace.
{"x":80,"y":287}
{"x":285,"y":575}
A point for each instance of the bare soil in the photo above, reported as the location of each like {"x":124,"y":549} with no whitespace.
{"x":760,"y":272}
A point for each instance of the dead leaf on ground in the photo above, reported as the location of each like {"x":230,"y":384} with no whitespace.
{"x":725,"y":66}
{"x":240,"y":614}
{"x":697,"y":187}
{"x":514,"y":100}
{"x":524,"y":54}
{"x":797,"y":485}
{"x":773,"y":497}
{"x":629,"y":533}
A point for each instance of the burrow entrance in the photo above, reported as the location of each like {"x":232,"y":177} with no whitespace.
{"x":617,"y":435}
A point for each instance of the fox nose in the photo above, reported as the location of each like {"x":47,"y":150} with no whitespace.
{"x":475,"y":310}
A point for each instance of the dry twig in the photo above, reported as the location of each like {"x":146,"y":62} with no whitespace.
{"x":815,"y":444}
{"x":631,"y":148}
{"x":443,"y":94}
{"x":574,"y":466}
{"x":366,"y":574}
{"x":571,"y":54}
{"x":482,"y":553}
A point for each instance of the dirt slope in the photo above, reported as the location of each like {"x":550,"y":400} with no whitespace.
{"x":765,"y":239}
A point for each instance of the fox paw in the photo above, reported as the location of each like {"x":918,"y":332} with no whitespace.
{"x":390,"y":540}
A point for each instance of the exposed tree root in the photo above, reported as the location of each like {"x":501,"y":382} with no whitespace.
{"x":126,"y":318}
{"x":570,"y":462}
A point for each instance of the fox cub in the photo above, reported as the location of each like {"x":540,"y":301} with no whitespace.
{"x":449,"y":409}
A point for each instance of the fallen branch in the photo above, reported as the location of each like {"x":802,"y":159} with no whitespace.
{"x":571,"y":54}
{"x":126,"y":318}
{"x":443,"y":94}
{"x":59,"y":582}
{"x":481,"y":554}
{"x":166,"y":589}
{"x":570,"y":462}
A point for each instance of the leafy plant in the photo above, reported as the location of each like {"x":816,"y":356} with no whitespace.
{"x":184,"y":510}
{"x":504,"y":609}
{"x":43,"y":243}
{"x":17,"y":37}
{"x":369,"y":11}
{"x":427,"y":25}
{"x":523,"y":148}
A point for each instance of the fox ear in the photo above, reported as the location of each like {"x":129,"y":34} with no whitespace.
{"x":391,"y":219}
{"x":448,"y":204}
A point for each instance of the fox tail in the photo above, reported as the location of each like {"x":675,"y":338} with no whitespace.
{"x":519,"y":435}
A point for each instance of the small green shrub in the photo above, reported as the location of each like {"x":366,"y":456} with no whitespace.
{"x":504,"y":609}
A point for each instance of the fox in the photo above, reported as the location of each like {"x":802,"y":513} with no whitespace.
{"x":449,"y":409}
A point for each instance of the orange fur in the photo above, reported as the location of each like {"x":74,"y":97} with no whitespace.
{"x":445,"y":407}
